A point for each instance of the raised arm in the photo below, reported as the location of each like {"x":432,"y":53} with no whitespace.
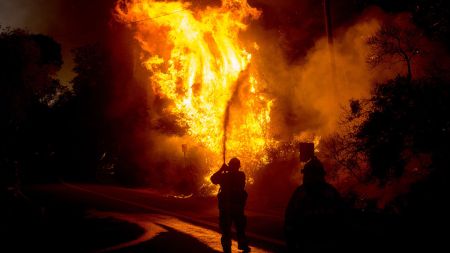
{"x":216,"y":178}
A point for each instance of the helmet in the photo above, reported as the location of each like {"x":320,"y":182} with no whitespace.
{"x":313,"y":171}
{"x":234,"y":163}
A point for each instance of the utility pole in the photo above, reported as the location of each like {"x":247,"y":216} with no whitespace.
{"x":329,"y":32}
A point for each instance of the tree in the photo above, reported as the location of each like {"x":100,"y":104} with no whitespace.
{"x":87,"y":136}
{"x":392,"y":44}
{"x":433,"y":17}
{"x":28,"y":85}
{"x":404,"y":123}
{"x":100,"y":125}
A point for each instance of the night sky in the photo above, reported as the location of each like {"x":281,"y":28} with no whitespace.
{"x":72,"y":23}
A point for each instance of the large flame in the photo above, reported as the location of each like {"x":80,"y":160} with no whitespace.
{"x":198,"y":61}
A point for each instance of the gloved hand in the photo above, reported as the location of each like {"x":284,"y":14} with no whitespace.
{"x":224,"y":167}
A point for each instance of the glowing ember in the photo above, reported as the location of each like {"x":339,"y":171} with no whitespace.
{"x":199,"y":63}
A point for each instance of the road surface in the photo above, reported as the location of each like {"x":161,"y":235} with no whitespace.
{"x":159,"y":222}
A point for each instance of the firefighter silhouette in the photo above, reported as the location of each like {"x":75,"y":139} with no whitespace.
{"x":232,"y":198}
{"x":313,"y":211}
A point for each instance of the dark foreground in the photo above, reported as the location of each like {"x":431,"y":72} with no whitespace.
{"x":92,"y":218}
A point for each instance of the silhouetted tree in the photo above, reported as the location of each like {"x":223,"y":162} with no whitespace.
{"x":28,"y":88}
{"x":405,"y":118}
{"x":404,"y":123}
{"x":433,"y":17}
{"x":392,"y":44}
{"x":379,"y":129}
{"x":86,"y":140}
{"x":103,"y":140}
{"x":47,"y":130}
{"x":401,"y":120}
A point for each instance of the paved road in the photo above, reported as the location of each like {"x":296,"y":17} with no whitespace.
{"x":167,"y":223}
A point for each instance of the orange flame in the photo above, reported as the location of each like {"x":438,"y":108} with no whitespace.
{"x":198,"y":62}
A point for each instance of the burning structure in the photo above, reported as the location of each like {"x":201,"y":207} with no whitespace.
{"x":215,"y":76}
{"x":204,"y":71}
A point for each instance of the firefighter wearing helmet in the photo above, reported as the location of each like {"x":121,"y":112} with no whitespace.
{"x":232,"y":198}
{"x":313,"y":213}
